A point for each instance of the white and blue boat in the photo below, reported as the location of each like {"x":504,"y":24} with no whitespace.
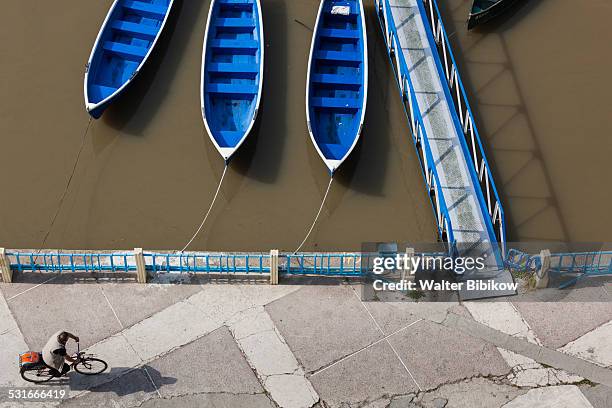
{"x":337,"y":83}
{"x":125,"y":41}
{"x":232,"y":72}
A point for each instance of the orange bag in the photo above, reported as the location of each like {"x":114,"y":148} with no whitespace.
{"x":29,"y":358}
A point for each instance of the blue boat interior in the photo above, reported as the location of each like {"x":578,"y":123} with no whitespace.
{"x":232,"y":70}
{"x":336,"y":89}
{"x":126,"y":40}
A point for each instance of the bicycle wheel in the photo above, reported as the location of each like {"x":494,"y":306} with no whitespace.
{"x":36,"y":375}
{"x":90,"y":366}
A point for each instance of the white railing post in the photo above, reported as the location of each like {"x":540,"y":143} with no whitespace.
{"x":274,"y":267}
{"x":407,"y":273}
{"x":541,"y":276}
{"x":5,"y":267}
{"x":141,"y":268}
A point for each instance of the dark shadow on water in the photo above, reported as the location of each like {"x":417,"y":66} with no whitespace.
{"x":260,"y":155}
{"x":365,"y":169}
{"x":135,"y":108}
{"x":243,"y":158}
{"x":519,"y":178}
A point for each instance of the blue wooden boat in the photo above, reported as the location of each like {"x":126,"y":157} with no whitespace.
{"x":337,"y":83}
{"x":485,"y":10}
{"x":232,"y":72}
{"x":123,"y":45}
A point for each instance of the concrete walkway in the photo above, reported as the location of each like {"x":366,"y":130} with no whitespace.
{"x":252,"y":345}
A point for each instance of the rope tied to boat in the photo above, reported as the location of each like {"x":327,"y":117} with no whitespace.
{"x":66,"y":189}
{"x":317,"y":216}
{"x":209,"y":210}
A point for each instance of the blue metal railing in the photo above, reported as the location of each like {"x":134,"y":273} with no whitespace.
{"x":421,"y":142}
{"x":207,"y":262}
{"x":520,"y":261}
{"x":325,"y":264}
{"x":71,"y":262}
{"x":126,"y":262}
{"x":317,"y":264}
{"x":349,"y":264}
{"x":584,"y":264}
{"x":473,"y":145}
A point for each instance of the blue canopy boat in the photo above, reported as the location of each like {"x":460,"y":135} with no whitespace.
{"x":485,"y":10}
{"x":337,"y":84}
{"x":124,"y":43}
{"x":232,"y":72}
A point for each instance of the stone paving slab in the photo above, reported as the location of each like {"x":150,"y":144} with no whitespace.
{"x":540,"y":354}
{"x":473,"y":393}
{"x":595,"y":346}
{"x":337,"y":324}
{"x":175,"y":326}
{"x":133,"y":303}
{"x":291,"y":391}
{"x":503,"y":316}
{"x":212,"y":401}
{"x":368,"y":375}
{"x":272,"y":360}
{"x":392,"y":316}
{"x":436,"y":355}
{"x":28,"y":404}
{"x":559,"y":323}
{"x":79,"y":308}
{"x":599,"y":396}
{"x":562,"y":396}
{"x":25,"y":282}
{"x":12,"y":343}
{"x":210,"y":364}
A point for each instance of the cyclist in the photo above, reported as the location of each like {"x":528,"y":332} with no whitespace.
{"x":54,"y":353}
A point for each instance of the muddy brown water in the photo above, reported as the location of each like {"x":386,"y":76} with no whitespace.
{"x":148,"y":170}
{"x":539,"y":84}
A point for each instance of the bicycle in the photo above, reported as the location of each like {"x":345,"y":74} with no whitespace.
{"x":33,"y":369}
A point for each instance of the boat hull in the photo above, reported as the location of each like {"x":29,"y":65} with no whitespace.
{"x":232,"y":72}
{"x":337,"y":83}
{"x":124,"y":43}
{"x":480,"y":15}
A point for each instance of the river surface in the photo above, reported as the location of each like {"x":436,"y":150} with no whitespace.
{"x":147,"y":172}
{"x":539,"y":80}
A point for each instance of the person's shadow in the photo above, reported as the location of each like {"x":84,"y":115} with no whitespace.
{"x":121,"y":381}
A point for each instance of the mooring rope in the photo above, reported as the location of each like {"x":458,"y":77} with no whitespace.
{"x":209,"y":210}
{"x":66,"y":189}
{"x":317,"y":217}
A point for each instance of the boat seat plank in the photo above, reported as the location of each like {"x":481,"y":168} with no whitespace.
{"x":336,"y":103}
{"x":235,"y":44}
{"x":335,"y":33}
{"x":235,"y":22}
{"x":236,"y":89}
{"x":130,"y":52}
{"x":335,"y":79}
{"x":222,"y":67}
{"x":137,"y":30}
{"x":338,"y":56}
{"x":146,"y":9}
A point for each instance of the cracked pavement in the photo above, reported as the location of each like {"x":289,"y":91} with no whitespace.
{"x":254,"y":345}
